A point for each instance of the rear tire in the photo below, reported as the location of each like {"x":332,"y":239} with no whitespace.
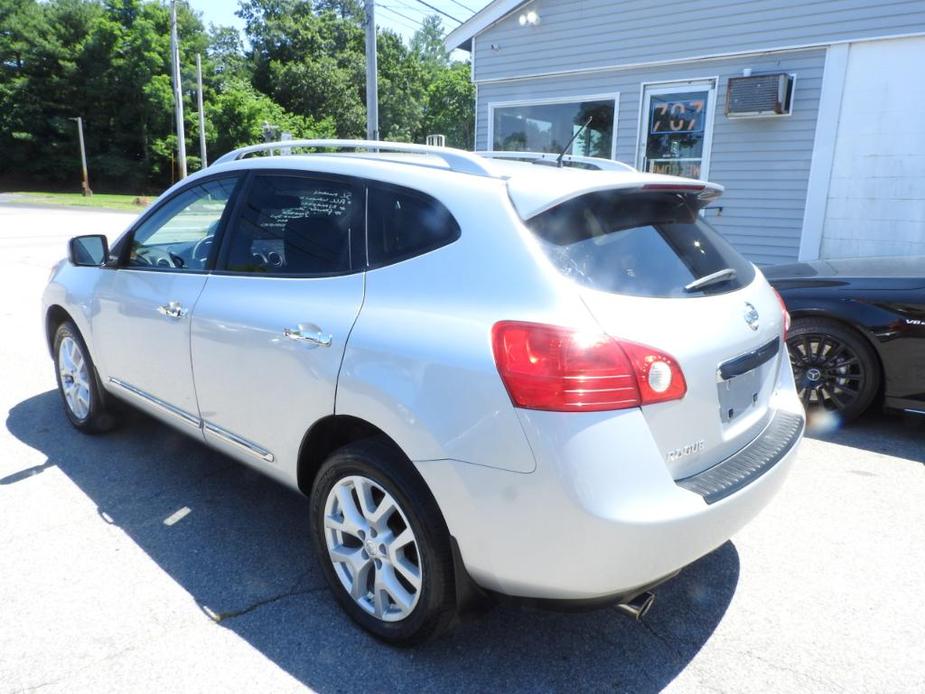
{"x":383,"y":544}
{"x":85,"y":403}
{"x":835,"y":368}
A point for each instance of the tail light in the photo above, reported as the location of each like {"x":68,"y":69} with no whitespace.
{"x":546,"y":367}
{"x":783,"y":308}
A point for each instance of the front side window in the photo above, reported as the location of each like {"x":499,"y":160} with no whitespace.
{"x":402,"y":224}
{"x":179,"y":235}
{"x":549,"y":127}
{"x":296,"y":225}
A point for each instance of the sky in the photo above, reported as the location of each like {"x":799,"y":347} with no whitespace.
{"x":401,"y":16}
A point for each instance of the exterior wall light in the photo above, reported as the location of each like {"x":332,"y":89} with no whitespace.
{"x":529,"y":18}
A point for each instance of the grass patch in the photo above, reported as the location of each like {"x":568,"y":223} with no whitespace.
{"x":125,"y":203}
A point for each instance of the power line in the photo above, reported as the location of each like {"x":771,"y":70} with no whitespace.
{"x":416,"y":23}
{"x":402,"y":24}
{"x":406,"y":5}
{"x":438,"y":10}
{"x":409,"y":7}
{"x":455,"y":2}
{"x":468,"y":9}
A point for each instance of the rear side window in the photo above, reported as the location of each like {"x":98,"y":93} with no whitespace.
{"x":296,"y":225}
{"x":643,"y":244}
{"x":402,"y":224}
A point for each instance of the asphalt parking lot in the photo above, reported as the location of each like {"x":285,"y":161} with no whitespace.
{"x":141,"y":561}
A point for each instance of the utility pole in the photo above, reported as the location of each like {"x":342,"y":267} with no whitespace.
{"x":202,"y":115}
{"x":177,"y":90}
{"x":372,"y":82}
{"x":83,"y":157}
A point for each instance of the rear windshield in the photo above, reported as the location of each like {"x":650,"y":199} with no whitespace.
{"x":644,"y":244}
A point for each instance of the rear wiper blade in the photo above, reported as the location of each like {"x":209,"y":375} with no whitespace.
{"x":713,"y":278}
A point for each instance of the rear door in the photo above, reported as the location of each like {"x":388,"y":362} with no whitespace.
{"x":643,"y":262}
{"x":269,"y":330}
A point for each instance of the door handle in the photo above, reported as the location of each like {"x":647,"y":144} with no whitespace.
{"x":172,"y":310}
{"x":315,"y":337}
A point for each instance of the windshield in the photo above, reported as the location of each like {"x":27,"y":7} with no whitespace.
{"x":643,"y":244}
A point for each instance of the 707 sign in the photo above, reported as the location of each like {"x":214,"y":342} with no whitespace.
{"x":677,"y":116}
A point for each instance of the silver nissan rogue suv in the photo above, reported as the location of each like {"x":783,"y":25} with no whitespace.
{"x":490,"y":373}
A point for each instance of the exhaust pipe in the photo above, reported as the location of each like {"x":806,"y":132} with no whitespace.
{"x":637,"y":607}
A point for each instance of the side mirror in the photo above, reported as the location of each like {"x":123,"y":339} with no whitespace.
{"x":88,"y":251}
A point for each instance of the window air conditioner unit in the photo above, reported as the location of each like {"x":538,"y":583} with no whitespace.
{"x":759,"y":96}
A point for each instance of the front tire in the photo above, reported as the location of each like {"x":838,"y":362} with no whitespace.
{"x":383,"y":545}
{"x":834,"y":367}
{"x":78,"y":382}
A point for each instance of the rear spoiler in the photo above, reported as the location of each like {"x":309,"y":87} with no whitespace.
{"x":705,"y":192}
{"x":701,"y":192}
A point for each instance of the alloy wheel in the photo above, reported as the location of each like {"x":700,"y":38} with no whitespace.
{"x":373,"y":548}
{"x":828,"y":373}
{"x":75,"y":377}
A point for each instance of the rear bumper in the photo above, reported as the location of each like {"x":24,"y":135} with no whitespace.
{"x":758,"y":457}
{"x":601,"y":514}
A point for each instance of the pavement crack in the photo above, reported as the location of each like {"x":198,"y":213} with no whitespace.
{"x":79,"y":670}
{"x":827,"y":684}
{"x":665,"y":641}
{"x":219,"y":617}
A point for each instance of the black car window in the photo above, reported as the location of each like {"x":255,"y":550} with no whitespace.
{"x":402,"y":223}
{"x":178,"y":235}
{"x":643,"y":244}
{"x":295,"y":225}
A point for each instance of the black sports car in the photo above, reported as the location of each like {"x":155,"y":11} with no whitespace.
{"x":858,"y":332}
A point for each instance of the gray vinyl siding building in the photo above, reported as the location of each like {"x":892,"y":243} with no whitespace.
{"x":792,"y":180}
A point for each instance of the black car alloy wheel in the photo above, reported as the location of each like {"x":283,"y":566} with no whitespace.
{"x":833,"y":368}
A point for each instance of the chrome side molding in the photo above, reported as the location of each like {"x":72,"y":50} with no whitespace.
{"x":239,"y":442}
{"x":194,"y":421}
{"x":165,"y":407}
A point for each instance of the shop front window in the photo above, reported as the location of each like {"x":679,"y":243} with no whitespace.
{"x":549,"y":127}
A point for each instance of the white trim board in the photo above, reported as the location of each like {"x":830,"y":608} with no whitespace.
{"x":611,"y":96}
{"x":475,"y":127}
{"x":699,"y":58}
{"x":480,"y":21}
{"x":820,"y":168}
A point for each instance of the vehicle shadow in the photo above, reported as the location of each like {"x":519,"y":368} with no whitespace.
{"x":891,"y":434}
{"x":242,"y":551}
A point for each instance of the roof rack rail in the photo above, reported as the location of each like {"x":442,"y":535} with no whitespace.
{"x":590,"y":162}
{"x":458,"y":160}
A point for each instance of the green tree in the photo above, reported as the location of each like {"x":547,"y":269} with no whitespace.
{"x":427,"y":43}
{"x":226,"y":51}
{"x":108,"y":61}
{"x":46,"y":44}
{"x":239,"y":112}
{"x":345,"y":9}
{"x":450,"y":106}
{"x":402,"y":90}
